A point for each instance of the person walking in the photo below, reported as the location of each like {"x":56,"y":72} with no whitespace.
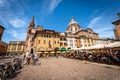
{"x":33,"y":58}
{"x":24,"y":59}
{"x":28,"y":57}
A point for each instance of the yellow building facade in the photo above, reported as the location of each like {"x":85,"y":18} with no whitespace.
{"x":39,"y":39}
{"x":16,"y":47}
{"x":63,"y":41}
{"x":46,"y":40}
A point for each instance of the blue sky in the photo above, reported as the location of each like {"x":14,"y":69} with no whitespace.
{"x":15,"y":16}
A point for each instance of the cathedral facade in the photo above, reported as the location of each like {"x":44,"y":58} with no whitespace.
{"x":77,"y":37}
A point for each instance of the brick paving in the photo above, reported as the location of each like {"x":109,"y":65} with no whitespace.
{"x":68,"y":69}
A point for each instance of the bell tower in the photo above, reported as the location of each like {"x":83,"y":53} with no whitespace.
{"x":30,"y":35}
{"x":31,"y":25}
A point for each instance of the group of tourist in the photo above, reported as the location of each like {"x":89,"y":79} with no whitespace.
{"x":30,"y":57}
{"x":46,"y":55}
{"x":109,"y":57}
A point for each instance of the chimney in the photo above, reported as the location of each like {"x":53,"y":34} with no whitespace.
{"x":118,"y":15}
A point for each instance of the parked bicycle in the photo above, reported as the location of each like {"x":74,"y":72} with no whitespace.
{"x":17,"y":62}
{"x":2,"y":73}
{"x":7,"y":71}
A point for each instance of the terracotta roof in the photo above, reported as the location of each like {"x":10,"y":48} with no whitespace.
{"x":85,"y":31}
{"x":89,"y":29}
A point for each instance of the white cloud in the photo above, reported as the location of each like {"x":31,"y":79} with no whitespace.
{"x":102,"y":23}
{"x":1,"y":3}
{"x":47,"y":7}
{"x":17,"y":22}
{"x":94,"y":21}
{"x":3,"y":21}
{"x":54,"y":4}
{"x":14,"y":33}
{"x":103,"y":29}
{"x":107,"y":34}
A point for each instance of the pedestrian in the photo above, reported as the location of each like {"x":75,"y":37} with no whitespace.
{"x":36,"y":57}
{"x":56,"y":55}
{"x":24,"y":57}
{"x":33,"y":58}
{"x":28,"y":57}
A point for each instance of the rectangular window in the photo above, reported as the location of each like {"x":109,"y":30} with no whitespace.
{"x":55,"y":42}
{"x":9,"y":47}
{"x":64,"y":44}
{"x":38,"y":41}
{"x":64,"y":39}
{"x":13,"y":47}
{"x":19,"y":47}
{"x":74,"y":40}
{"x":71,"y":44}
{"x":47,"y":36}
{"x":75,"y":29}
{"x":58,"y":42}
{"x":44,"y":42}
{"x":44,"y":35}
{"x":71,"y":40}
{"x":61,"y":39}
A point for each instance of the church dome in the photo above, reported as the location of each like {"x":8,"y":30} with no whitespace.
{"x":73,"y":22}
{"x":62,"y":34}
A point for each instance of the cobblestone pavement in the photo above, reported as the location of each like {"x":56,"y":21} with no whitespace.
{"x":68,"y":69}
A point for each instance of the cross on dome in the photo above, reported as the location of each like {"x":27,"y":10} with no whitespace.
{"x":73,"y":21}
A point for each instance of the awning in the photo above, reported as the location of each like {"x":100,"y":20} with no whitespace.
{"x":52,"y":52}
{"x":115,"y":44}
{"x":69,"y":48}
{"x":41,"y":49}
{"x":46,"y":52}
{"x":39,"y":52}
{"x":49,"y":49}
{"x":63,"y":49}
{"x":63,"y":52}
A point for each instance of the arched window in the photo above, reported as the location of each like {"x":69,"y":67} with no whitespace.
{"x":75,"y":28}
{"x":71,"y":29}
